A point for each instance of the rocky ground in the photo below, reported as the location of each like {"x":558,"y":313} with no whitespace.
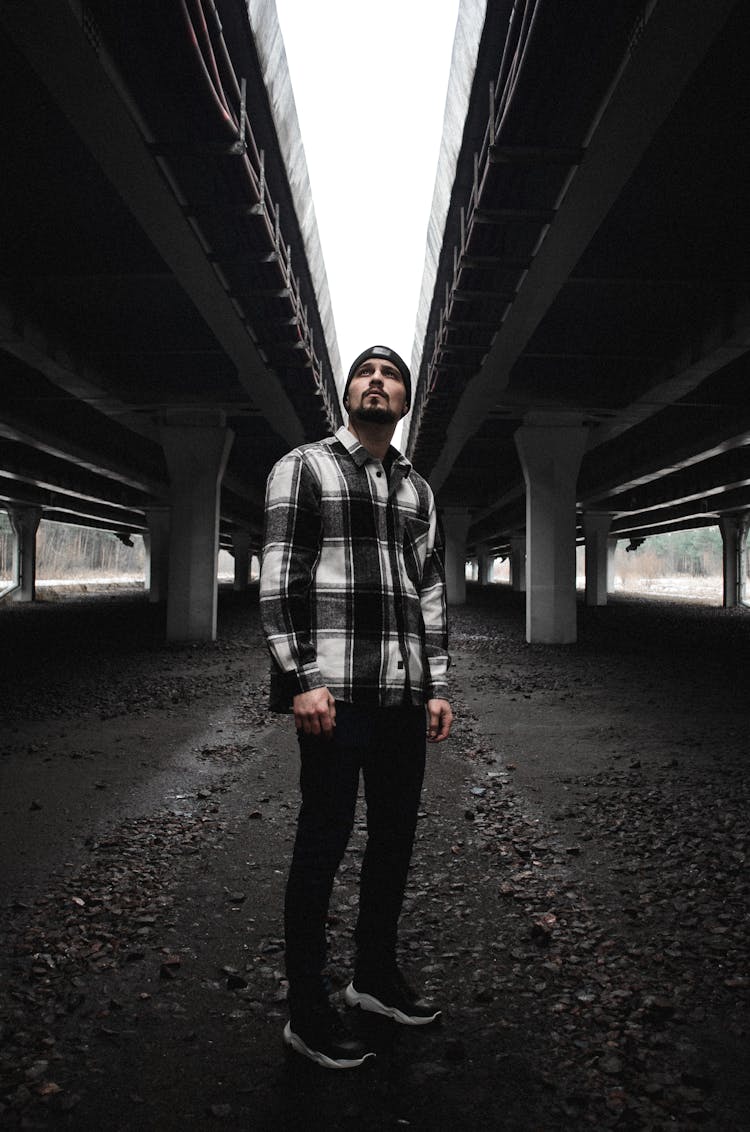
{"x":578,"y":903}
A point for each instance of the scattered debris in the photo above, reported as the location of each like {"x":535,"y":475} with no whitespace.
{"x":590,"y":954}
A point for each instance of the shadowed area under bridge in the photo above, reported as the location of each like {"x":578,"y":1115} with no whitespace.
{"x":578,"y":899}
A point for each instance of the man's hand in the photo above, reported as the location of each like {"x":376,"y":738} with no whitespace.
{"x":439,"y":720}
{"x":315,"y":712}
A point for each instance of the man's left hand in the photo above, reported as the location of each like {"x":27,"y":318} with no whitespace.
{"x":439,"y":720}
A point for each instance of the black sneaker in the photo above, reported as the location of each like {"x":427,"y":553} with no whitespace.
{"x":320,"y":1034}
{"x":391,"y":996}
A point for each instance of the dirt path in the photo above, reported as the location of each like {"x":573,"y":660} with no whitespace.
{"x":578,"y":900}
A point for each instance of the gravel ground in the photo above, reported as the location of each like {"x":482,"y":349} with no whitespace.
{"x":578,"y":900}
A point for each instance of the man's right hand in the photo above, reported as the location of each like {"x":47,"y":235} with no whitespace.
{"x":315,"y":712}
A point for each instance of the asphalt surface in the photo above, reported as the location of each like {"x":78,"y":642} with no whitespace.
{"x":578,"y":899}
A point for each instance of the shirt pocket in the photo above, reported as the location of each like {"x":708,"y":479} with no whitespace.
{"x":415,"y":536}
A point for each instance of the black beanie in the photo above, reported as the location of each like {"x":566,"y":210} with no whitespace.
{"x":381,"y":352}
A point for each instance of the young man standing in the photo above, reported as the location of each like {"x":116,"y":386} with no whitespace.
{"x":354,"y":613}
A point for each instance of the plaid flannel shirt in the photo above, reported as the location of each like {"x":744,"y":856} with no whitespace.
{"x":352,"y":586}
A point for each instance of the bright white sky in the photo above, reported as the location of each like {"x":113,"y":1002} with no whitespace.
{"x":369,"y":81}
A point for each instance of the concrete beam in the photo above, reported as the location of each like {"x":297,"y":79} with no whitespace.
{"x":39,"y":472}
{"x":55,"y":505}
{"x":24,"y":431}
{"x":713,"y":478}
{"x":24,"y":339}
{"x":719,"y":347}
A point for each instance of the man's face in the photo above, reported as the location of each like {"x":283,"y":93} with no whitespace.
{"x":377,"y":392}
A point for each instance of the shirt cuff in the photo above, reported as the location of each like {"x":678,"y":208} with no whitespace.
{"x":287,"y":685}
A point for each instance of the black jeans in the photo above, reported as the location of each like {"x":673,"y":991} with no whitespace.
{"x":388,"y":746}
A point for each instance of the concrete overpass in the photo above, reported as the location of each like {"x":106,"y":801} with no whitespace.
{"x":166,"y":327}
{"x":585,"y":319}
{"x":581,"y":344}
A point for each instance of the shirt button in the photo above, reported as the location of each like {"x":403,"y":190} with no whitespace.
{"x":378,"y":474}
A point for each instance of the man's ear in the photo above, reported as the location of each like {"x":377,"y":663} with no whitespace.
{"x":405,"y":410}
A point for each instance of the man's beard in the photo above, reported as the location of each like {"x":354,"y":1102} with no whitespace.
{"x":375,"y":414}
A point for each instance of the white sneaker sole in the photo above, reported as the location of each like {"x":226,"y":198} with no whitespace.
{"x":296,"y":1043}
{"x":375,"y":1006}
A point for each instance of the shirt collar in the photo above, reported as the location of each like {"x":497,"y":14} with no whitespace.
{"x":360,"y":455}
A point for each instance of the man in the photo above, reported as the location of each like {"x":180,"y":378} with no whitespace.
{"x":353,"y":607}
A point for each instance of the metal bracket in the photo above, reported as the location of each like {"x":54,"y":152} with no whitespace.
{"x":240,"y":146}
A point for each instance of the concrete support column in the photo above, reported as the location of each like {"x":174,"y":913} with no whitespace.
{"x":596,"y":526}
{"x":485,"y":564}
{"x":196,"y":448}
{"x":156,"y":541}
{"x":241,"y":552}
{"x":455,"y":528}
{"x":611,"y":551}
{"x":550,"y":447}
{"x":734,"y":538}
{"x":729,"y":528}
{"x":25,"y":522}
{"x":518,"y":563}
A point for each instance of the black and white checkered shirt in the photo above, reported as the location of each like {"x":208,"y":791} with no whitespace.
{"x":352,"y":585}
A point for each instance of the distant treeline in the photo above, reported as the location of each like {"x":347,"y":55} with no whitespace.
{"x":65,"y":551}
{"x":697,"y":552}
{"x":68,"y":552}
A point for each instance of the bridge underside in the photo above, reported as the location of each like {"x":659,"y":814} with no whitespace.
{"x":594,"y":270}
{"x":165,"y":326}
{"x":154,"y":269}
